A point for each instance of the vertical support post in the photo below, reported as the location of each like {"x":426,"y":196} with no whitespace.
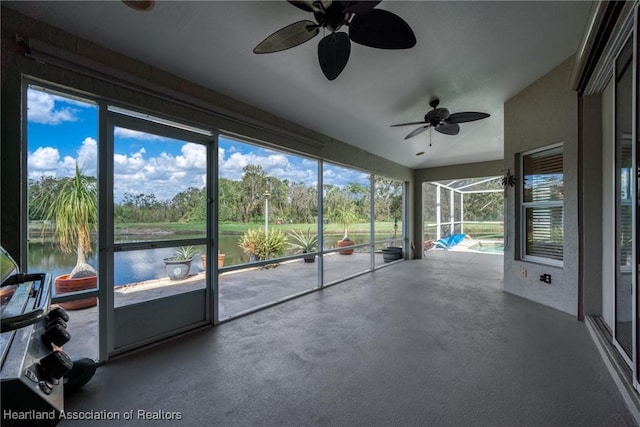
{"x":372,"y":222}
{"x":438,"y":212}
{"x":461,"y":212}
{"x":266,"y":221}
{"x":106,"y":298}
{"x":213,"y":247}
{"x":266,"y":214}
{"x":320,"y":225}
{"x":451,"y":213}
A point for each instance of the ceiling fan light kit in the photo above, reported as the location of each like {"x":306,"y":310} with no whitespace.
{"x":140,"y":5}
{"x":442,"y":121}
{"x":367,"y":26}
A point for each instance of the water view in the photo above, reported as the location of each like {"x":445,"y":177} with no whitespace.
{"x":147,"y":264}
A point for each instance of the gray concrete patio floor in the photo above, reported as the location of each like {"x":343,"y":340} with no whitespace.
{"x":432,"y":342}
{"x":239,"y":291}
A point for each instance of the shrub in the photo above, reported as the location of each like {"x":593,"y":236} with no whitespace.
{"x":304,"y":242}
{"x":255,"y":242}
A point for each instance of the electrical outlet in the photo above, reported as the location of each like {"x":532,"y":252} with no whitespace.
{"x":546,"y":278}
{"x":523,"y":272}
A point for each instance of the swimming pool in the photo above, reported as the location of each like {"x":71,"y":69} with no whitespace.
{"x":489,"y":247}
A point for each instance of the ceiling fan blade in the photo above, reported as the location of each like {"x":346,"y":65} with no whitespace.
{"x":465,"y":117}
{"x":409,"y":124}
{"x":333,"y":54}
{"x":438,"y":114}
{"x":360,"y":6}
{"x":417,"y":131}
{"x":381,"y":29}
{"x":288,"y":37}
{"x":310,"y":5}
{"x":448,"y":128}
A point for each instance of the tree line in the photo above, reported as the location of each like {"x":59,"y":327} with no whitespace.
{"x":243,"y":200}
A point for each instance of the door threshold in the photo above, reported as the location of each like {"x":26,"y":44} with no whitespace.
{"x":620,"y":372}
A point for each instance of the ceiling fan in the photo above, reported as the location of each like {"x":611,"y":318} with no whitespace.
{"x":367,"y":26}
{"x":443,"y":122}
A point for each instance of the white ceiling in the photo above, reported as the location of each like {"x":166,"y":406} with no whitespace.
{"x":474,"y":56}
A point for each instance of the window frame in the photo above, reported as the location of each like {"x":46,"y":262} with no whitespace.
{"x":538,"y":204}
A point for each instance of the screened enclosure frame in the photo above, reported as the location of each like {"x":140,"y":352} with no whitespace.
{"x":461,"y":187}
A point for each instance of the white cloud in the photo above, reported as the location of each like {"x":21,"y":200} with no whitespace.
{"x":335,"y":175}
{"x":42,"y":109}
{"x":134,"y":134}
{"x":164,"y":175}
{"x":88,"y":156}
{"x":276,"y":165}
{"x":193,"y":156}
{"x":46,"y":161}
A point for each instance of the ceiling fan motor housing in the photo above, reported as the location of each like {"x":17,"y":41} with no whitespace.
{"x":436,"y":116}
{"x":442,"y":121}
{"x":331,"y":18}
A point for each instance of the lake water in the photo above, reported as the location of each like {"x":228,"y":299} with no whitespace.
{"x":140,"y":265}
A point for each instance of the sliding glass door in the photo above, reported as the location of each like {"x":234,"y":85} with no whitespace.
{"x":625,"y":166}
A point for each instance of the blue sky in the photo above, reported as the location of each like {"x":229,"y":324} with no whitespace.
{"x":63,"y":131}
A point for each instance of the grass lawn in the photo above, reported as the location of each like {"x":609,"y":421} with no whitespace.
{"x":240,"y":228}
{"x":184,"y":228}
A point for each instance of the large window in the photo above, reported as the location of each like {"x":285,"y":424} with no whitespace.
{"x":259,"y":227}
{"x":62,"y":169}
{"x":346,"y":214}
{"x":542,"y":205}
{"x":267,"y":218}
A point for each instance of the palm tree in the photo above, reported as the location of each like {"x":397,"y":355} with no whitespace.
{"x":74,"y":215}
{"x":346,"y":216}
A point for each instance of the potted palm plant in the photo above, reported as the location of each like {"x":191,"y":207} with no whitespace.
{"x":179,"y":264}
{"x":346,"y":216}
{"x":305,"y":243}
{"x":73,"y":214}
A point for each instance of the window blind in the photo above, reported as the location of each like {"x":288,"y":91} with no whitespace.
{"x":542,"y":203}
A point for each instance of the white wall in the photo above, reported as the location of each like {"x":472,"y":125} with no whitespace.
{"x":544,"y":113}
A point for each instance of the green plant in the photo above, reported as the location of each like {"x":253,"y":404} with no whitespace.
{"x":183,"y":253}
{"x":304,"y":242}
{"x":346,"y":216}
{"x":73,"y":213}
{"x":255,"y":242}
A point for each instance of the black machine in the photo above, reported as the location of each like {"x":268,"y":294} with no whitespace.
{"x":32,"y":362}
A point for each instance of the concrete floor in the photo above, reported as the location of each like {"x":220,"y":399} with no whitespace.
{"x":239,"y":291}
{"x":431,"y":342}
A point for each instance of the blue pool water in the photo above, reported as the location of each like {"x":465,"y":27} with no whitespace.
{"x":495,"y":248}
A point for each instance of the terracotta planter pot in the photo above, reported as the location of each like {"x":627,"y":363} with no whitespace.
{"x":343,"y":243}
{"x":220,"y":261}
{"x":65,"y":285}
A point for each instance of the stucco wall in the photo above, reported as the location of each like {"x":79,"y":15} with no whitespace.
{"x":544,"y":113}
